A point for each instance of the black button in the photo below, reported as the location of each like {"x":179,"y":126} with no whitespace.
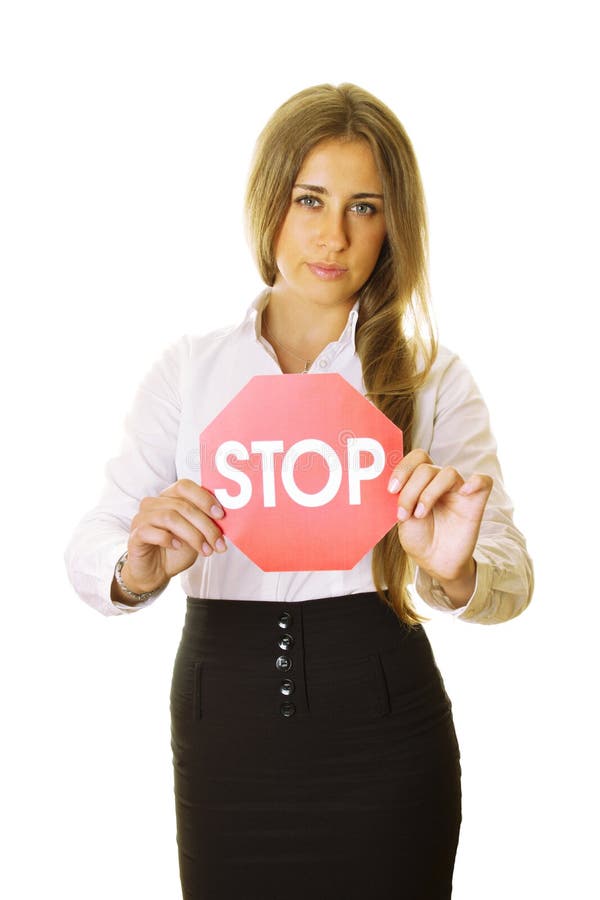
{"x":285,"y":620}
{"x":287,"y":709}
{"x":287,"y":687}
{"x":286,"y":641}
{"x":283,"y":664}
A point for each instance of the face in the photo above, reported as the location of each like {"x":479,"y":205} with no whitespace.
{"x":335,"y":227}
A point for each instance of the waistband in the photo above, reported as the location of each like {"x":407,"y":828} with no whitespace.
{"x":327,"y":627}
{"x":277,"y":658}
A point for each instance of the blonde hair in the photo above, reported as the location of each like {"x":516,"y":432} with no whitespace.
{"x":395,"y":338}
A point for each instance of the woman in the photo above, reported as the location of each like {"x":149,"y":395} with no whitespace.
{"x":313,"y":742}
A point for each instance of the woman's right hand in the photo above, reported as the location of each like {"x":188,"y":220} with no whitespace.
{"x":168,"y":534}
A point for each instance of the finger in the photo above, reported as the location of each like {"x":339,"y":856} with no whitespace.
{"x":476,"y":483}
{"x":405,"y":469}
{"x":196,"y":495}
{"x":151,"y":507}
{"x":167,"y":518}
{"x":444,"y":481}
{"x":146,"y":535}
{"x":409,"y":495}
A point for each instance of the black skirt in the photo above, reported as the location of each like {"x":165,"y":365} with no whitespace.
{"x":314,"y":754}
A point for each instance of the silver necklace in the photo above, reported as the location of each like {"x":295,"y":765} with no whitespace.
{"x":307,"y":362}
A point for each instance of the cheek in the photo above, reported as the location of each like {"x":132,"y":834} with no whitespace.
{"x":290,"y":241}
{"x":375,"y":245}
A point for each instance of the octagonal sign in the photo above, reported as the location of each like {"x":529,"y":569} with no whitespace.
{"x":300,"y":464}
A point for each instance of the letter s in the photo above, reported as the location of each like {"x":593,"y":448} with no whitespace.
{"x":237,"y":449}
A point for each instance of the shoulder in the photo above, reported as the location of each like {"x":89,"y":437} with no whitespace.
{"x":449,"y":396}
{"x":197,"y":348}
{"x":193,"y":352}
{"x":448,"y":373}
{"x":178,"y":354}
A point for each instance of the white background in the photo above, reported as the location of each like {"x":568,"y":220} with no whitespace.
{"x":127,"y":130}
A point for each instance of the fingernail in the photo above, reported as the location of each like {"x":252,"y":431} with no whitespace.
{"x":419,"y":511}
{"x":393,"y":485}
{"x":216,"y":512}
{"x":220,"y":545}
{"x":402,"y":514}
{"x":206,"y":549}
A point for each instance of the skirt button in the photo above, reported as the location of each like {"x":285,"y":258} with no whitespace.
{"x":283,"y":663}
{"x":286,"y":641}
{"x":287,"y":687}
{"x":285,"y":620}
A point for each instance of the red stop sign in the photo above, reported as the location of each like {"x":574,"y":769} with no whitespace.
{"x":300,"y":464}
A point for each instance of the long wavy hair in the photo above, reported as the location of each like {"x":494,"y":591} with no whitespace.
{"x":395,"y":337}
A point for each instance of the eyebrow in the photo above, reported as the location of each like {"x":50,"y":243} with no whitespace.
{"x":318,"y":189}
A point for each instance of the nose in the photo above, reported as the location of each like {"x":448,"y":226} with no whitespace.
{"x":332,"y":233}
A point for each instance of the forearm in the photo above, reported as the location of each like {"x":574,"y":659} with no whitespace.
{"x":501,"y":592}
{"x":459,"y":590}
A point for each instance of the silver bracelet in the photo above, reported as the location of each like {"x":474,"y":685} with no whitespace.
{"x":139,"y":598}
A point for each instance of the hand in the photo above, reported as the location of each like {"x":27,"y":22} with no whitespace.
{"x":439,"y":519}
{"x":168,"y":534}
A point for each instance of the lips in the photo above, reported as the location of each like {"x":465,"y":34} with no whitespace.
{"x":327,"y":271}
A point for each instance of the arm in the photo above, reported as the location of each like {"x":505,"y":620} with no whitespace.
{"x":453,"y":422}
{"x":145,"y":466}
{"x":143,"y":508}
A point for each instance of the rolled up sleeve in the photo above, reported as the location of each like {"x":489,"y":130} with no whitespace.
{"x":144,"y":467}
{"x":454,"y":421}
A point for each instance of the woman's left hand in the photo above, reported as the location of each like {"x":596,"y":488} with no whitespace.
{"x":439,"y":515}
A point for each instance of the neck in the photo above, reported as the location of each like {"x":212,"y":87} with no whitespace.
{"x":305,"y":328}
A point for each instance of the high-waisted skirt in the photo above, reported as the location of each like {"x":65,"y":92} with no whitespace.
{"x":314,"y":754}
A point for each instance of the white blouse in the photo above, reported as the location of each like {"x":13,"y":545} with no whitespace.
{"x":196,"y":378}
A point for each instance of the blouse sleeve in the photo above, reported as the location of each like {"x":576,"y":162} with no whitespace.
{"x":453,"y":421}
{"x":145,"y":467}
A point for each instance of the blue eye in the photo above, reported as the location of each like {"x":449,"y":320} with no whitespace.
{"x":308,"y":201}
{"x":363,"y":209}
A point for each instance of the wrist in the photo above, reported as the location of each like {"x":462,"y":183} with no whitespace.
{"x":129,"y":583}
{"x":125,"y":589}
{"x":459,"y":590}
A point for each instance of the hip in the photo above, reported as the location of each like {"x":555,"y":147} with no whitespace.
{"x":313,"y":663}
